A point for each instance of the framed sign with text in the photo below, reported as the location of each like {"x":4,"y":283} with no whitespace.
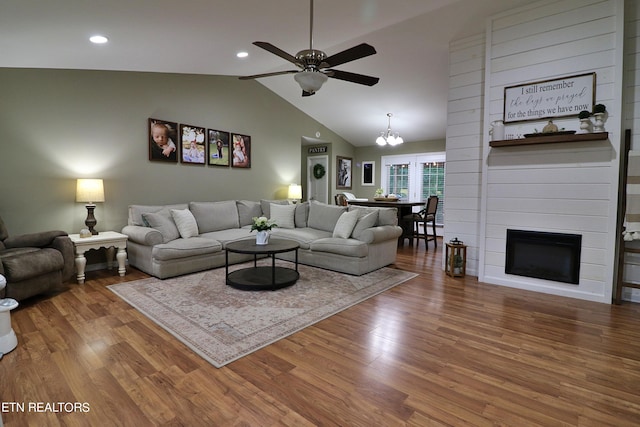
{"x":546,"y":99}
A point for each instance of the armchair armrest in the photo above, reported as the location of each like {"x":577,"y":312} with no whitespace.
{"x":33,"y":240}
{"x":65,"y":246}
{"x":143,"y":235}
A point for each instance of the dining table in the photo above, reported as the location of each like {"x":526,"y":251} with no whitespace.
{"x":403,"y":207}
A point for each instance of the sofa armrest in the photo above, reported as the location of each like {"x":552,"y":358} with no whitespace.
{"x":380,"y":233}
{"x":143,"y":235}
{"x":33,"y":240}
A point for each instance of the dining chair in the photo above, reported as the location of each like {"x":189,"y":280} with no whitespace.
{"x":340,"y":199}
{"x":425,"y":216}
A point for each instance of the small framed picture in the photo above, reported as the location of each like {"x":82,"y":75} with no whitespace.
{"x":368,"y":173}
{"x":162,"y":137}
{"x":343,"y":173}
{"x":241,"y":151}
{"x":219,"y":148}
{"x":193,"y":147}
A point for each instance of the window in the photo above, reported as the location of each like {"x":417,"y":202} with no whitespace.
{"x":415,"y":177}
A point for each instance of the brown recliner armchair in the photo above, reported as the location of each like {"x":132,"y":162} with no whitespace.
{"x":34,"y":263}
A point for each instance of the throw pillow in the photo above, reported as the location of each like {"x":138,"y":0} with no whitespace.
{"x":186,"y":223}
{"x":365,"y":221}
{"x":266,"y":205}
{"x":163,"y":223}
{"x":283,"y":215}
{"x":345,"y":224}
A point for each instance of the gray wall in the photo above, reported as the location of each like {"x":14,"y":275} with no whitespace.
{"x":59,"y":125}
{"x":374,"y":153}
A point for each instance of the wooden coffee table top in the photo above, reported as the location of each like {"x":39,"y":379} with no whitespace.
{"x":248,"y":246}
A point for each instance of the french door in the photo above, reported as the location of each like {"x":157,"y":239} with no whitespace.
{"x":415,"y":177}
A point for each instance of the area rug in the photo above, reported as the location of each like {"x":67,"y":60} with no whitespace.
{"x":222,"y":324}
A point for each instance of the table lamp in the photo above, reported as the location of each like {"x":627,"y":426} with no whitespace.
{"x":90,"y":191}
{"x":295,"y":192}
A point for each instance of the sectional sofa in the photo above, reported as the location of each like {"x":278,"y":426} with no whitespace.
{"x":171,"y":240}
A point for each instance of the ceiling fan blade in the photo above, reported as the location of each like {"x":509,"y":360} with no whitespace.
{"x":352,"y":77}
{"x":277,"y":51}
{"x":277,"y":73}
{"x":356,"y":52}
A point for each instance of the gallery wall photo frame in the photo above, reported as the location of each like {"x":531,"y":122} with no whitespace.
{"x":219,"y":147}
{"x":241,"y":151}
{"x":193,"y":145}
{"x":549,"y":99}
{"x":162,"y":140}
{"x":343,"y":172}
{"x":368,"y":173}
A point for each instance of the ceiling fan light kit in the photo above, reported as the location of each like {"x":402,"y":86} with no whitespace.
{"x":310,"y":81}
{"x":315,"y":65}
{"x":389,"y":137}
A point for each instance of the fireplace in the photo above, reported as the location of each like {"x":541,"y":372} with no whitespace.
{"x":542,"y":255}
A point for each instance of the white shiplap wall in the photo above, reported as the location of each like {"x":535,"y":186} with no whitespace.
{"x":568,"y":188}
{"x":632,"y":119}
{"x":464,"y":145}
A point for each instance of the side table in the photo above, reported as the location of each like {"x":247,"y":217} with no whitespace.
{"x":106,"y":239}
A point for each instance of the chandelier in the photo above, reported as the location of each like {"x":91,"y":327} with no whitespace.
{"x":389,"y":137}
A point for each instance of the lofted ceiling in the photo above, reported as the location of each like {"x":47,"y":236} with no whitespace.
{"x":203,"y":36}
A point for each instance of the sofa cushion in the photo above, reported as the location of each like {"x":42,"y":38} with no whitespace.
{"x":247,"y":210}
{"x":25,"y":263}
{"x":323,"y":216}
{"x":183,"y":248}
{"x":283,"y":215}
{"x":136,"y":211}
{"x":214,"y":216}
{"x":186,"y":223}
{"x":302,"y":214}
{"x":304,"y":236}
{"x":229,"y":235}
{"x":365,"y":221}
{"x":163,"y":222}
{"x":346,"y":247}
{"x":345,"y":224}
{"x":266,"y":206}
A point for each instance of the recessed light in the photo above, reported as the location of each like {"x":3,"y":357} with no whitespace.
{"x":98,"y":39}
{"x":242,"y":54}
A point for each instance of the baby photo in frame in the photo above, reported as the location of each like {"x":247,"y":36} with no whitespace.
{"x":193,"y":147}
{"x":162,"y":135}
{"x":218,"y":147}
{"x":241,"y":154}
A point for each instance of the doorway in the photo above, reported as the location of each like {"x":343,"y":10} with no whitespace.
{"x":318,"y":188}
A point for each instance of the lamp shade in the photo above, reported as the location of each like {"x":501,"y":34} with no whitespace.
{"x":310,"y":81}
{"x":295,"y":192}
{"x":89,"y":190}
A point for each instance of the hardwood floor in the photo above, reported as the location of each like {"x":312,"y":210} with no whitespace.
{"x":434,"y":351}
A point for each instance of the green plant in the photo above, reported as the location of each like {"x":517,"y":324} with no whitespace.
{"x":262,"y":224}
{"x":584,"y":114}
{"x":379,"y":192}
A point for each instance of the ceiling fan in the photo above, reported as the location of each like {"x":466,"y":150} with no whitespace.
{"x":316,"y":67}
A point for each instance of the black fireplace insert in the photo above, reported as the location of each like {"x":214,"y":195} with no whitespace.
{"x":543,"y":255}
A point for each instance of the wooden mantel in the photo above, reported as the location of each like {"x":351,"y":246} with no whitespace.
{"x":598,"y":136}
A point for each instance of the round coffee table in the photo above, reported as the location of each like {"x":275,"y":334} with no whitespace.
{"x":259,"y":278}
